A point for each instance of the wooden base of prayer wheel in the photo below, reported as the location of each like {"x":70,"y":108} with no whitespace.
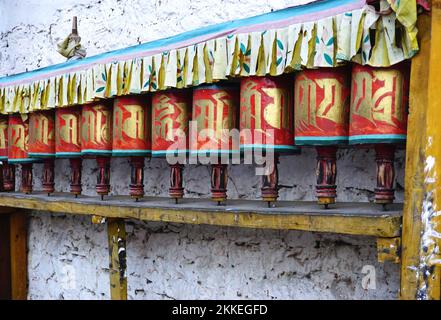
{"x":270,"y":182}
{"x":176,"y":190}
{"x":26,"y":178}
{"x":8,"y":177}
{"x":326,"y":189}
{"x":103,"y":178}
{"x":385,"y":157}
{"x":75,"y":176}
{"x":219,"y":180}
{"x":48,"y":176}
{"x":137,"y":177}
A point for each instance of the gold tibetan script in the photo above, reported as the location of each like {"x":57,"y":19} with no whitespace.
{"x":39,"y":129}
{"x":166,"y":108}
{"x":276,"y":114}
{"x":69,"y":132}
{"x":93,"y":129}
{"x":308,"y":108}
{"x":211,"y":114}
{"x":385,"y":104}
{"x":20,"y":139}
{"x":133,"y":126}
{"x":3,"y":133}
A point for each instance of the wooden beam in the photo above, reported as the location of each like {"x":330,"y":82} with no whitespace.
{"x":346,"y":218}
{"x":420,"y":270}
{"x":116,"y":231}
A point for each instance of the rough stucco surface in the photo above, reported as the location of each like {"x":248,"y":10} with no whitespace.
{"x":68,"y":255}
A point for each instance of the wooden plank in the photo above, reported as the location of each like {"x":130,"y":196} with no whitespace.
{"x":19,"y":258}
{"x":5,"y":259}
{"x":420,"y":270}
{"x":116,"y":231}
{"x":345,"y":218}
{"x":415,"y":153}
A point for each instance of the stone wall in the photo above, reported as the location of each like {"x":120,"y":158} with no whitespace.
{"x":68,"y":255}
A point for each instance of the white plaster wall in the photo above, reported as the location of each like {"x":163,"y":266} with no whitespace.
{"x":68,"y":255}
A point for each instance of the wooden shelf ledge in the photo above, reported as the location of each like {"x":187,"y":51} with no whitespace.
{"x":345,"y":218}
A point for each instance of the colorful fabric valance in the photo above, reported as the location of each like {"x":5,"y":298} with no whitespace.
{"x":324,"y":33}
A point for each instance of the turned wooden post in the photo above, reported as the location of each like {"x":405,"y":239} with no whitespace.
{"x":326,"y":174}
{"x":270,"y":182}
{"x":26,"y":178}
{"x":385,"y":156}
{"x":48,"y":176}
{"x":176,"y":190}
{"x":219,"y":180}
{"x":103,"y":177}
{"x":137,"y":177}
{"x":75,"y":176}
{"x":8,"y":177}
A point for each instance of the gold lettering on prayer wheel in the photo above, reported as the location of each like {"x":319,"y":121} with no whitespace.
{"x":3,"y":138}
{"x":131,"y":126}
{"x":41,"y":134}
{"x":96,"y":129}
{"x":67,"y":131}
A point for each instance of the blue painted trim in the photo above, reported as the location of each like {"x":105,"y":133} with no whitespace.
{"x":225,"y":28}
{"x":68,"y":154}
{"x":278,"y":148}
{"x":22,"y":160}
{"x":128,"y":153}
{"x":99,"y":152}
{"x":214,"y":152}
{"x":160,"y":154}
{"x":321,"y":141}
{"x":377,"y":138}
{"x":3,"y":158}
{"x":41,"y":155}
{"x":217,"y":87}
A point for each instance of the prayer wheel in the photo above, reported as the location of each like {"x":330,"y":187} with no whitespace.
{"x":171,"y":116}
{"x":18,"y":138}
{"x":68,"y":143}
{"x":322,"y":113}
{"x":132,"y":137}
{"x":214,"y":111}
{"x":378,"y":116}
{"x":96,"y":141}
{"x":266,"y":124}
{"x":42,"y":144}
{"x":7,"y":172}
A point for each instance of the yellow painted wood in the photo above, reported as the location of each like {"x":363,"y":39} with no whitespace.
{"x":98,"y":219}
{"x":420,"y":276}
{"x":354,"y":219}
{"x":389,"y":249}
{"x":116,"y":232}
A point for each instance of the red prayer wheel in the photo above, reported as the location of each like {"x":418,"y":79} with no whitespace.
{"x":322,"y":112}
{"x":132,"y":137}
{"x":3,"y":138}
{"x":3,"y":151}
{"x":96,"y":141}
{"x":42,"y":144}
{"x":214,"y":111}
{"x":266,"y":123}
{"x":171,"y":115}
{"x":18,"y":139}
{"x":378,"y":116}
{"x":68,"y":143}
